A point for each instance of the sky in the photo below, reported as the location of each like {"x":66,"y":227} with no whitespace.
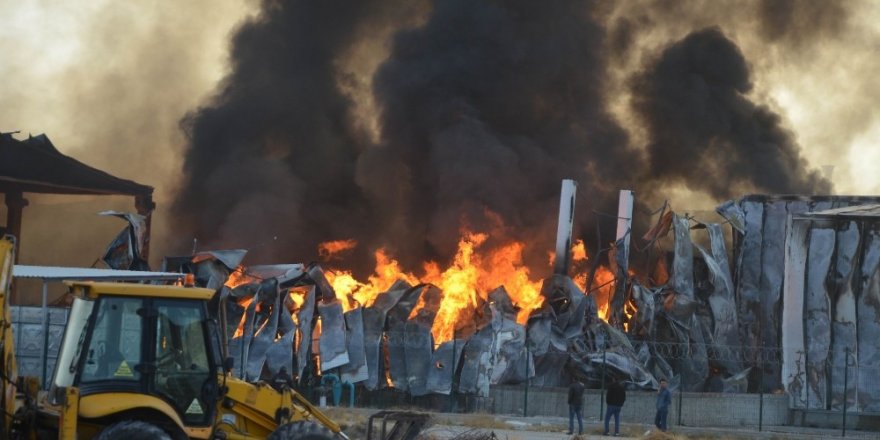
{"x":111,"y":82}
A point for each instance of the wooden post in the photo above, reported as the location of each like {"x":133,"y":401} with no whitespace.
{"x":15,"y":204}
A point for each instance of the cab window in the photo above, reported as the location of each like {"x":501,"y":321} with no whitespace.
{"x":114,"y":349}
{"x":181,"y":353}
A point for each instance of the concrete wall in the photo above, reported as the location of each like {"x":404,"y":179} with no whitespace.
{"x":834,"y":419}
{"x":698,"y":409}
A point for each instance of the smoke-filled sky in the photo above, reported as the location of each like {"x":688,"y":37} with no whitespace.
{"x":278,"y":125}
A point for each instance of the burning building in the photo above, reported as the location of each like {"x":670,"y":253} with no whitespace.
{"x":475,"y":111}
{"x":706,"y":318}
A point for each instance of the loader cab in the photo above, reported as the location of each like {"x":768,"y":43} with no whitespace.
{"x":128,"y":340}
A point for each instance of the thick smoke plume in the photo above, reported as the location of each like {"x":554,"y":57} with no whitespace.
{"x":800,"y":24}
{"x":483,"y":107}
{"x":706,"y":133}
{"x":271,"y":162}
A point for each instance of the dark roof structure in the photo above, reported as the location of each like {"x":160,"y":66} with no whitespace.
{"x":35,"y":165}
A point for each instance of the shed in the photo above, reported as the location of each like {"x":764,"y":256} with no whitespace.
{"x":34,"y":165}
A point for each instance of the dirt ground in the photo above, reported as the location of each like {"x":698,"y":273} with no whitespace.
{"x":479,"y":426}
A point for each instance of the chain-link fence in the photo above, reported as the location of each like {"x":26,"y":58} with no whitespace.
{"x":827,"y":382}
{"x":711,"y":385}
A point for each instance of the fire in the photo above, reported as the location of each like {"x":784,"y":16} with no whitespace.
{"x":629,"y":309}
{"x":471,"y":276}
{"x":240,"y":330}
{"x":578,"y":251}
{"x":602,"y":289}
{"x":344,"y":285}
{"x":459,"y":284}
{"x":297,"y":298}
{"x":473,"y":273}
{"x":331,"y":249}
{"x":238,"y":277}
{"x":506,"y":269}
{"x":348,"y":289}
{"x":476,"y":270}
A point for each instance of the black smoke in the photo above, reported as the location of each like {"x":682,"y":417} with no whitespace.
{"x":706,"y":133}
{"x":271,"y":160}
{"x":801,"y":24}
{"x":484,"y":109}
{"x":484,"y":106}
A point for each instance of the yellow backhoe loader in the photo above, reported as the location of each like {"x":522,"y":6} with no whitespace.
{"x":143,"y":362}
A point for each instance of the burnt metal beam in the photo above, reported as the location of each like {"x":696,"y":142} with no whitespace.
{"x":562,"y":263}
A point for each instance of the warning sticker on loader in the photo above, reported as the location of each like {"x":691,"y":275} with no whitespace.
{"x":194,"y":408}
{"x":123,"y":370}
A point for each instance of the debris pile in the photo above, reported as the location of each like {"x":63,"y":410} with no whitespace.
{"x":705,"y":324}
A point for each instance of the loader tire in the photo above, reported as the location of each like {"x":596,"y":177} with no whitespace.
{"x":132,"y":430}
{"x":302,"y":431}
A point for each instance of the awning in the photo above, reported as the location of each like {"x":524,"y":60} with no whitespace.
{"x":55,"y":273}
{"x":34,"y":165}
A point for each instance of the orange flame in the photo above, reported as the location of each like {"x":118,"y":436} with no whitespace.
{"x":297,"y":298}
{"x":470,"y":276}
{"x":238,"y":277}
{"x":629,"y":309}
{"x":602,"y":289}
{"x":459,"y":286}
{"x":240,"y":330}
{"x":473,"y":273}
{"x":578,"y":251}
{"x":331,"y":249}
{"x":348,"y":289}
{"x":506,"y":269}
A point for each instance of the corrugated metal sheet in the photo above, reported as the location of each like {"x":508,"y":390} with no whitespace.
{"x":55,"y":273}
{"x":30,"y":338}
{"x":858,"y":211}
{"x":830,"y":314}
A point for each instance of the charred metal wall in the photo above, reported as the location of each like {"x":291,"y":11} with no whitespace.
{"x":761,"y":225}
{"x":705,"y":328}
{"x":831,"y":315}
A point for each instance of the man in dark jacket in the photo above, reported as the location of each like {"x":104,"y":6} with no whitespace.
{"x":575,"y":406}
{"x":664,"y":399}
{"x":614,"y":398}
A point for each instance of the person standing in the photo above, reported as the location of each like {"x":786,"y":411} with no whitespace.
{"x":614,"y":398}
{"x":575,"y":406}
{"x":664,"y":399}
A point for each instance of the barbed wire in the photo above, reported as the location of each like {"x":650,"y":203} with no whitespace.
{"x":668,"y":350}
{"x":713,"y":352}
